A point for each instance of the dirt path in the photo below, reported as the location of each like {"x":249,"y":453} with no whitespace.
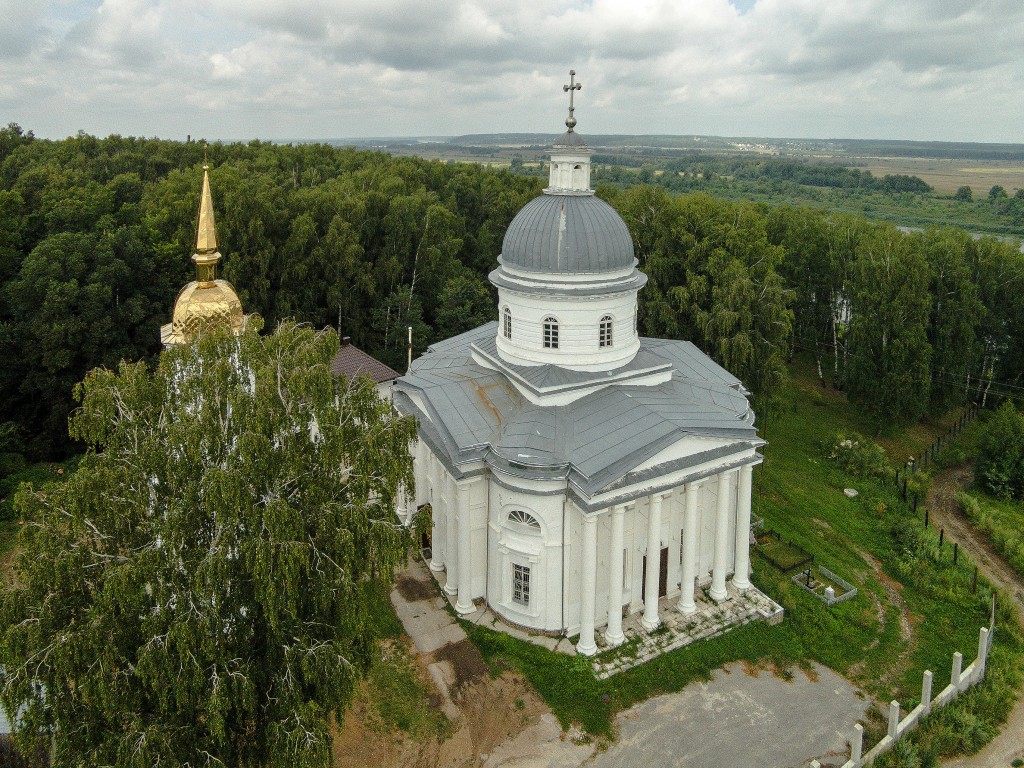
{"x":945,"y":514}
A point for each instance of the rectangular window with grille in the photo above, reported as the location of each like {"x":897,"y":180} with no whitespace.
{"x":550,"y":334}
{"x":605,"y":333}
{"x":520,"y":584}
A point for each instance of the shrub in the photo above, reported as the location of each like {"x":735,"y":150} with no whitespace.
{"x":859,"y":456}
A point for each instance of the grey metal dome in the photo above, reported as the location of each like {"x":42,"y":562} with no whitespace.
{"x":594,"y":238}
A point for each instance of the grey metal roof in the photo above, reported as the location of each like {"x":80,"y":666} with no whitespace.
{"x":570,"y":139}
{"x":472,"y":413}
{"x":567,"y":234}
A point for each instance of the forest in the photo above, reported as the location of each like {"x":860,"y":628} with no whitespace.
{"x":96,"y":236}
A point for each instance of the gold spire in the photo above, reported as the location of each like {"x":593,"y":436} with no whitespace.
{"x":206,"y":231}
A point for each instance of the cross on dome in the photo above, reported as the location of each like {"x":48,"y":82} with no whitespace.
{"x":570,"y":121}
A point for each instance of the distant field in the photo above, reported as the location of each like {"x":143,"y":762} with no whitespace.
{"x":946,"y":176}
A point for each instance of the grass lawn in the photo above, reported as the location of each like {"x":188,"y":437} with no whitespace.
{"x":911,"y":612}
{"x":1002,"y":520}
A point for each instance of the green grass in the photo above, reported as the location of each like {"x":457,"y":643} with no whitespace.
{"x":1002,"y":521}
{"x":398,"y":698}
{"x":781,"y":554}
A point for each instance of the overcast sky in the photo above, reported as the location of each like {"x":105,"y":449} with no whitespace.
{"x":276,"y":69}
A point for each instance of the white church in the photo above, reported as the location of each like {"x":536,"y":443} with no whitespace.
{"x":577,"y":472}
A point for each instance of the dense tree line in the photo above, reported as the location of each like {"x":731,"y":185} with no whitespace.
{"x":694,"y":167}
{"x":96,"y":234}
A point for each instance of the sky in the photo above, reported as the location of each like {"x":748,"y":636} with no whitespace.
{"x":943,"y":70}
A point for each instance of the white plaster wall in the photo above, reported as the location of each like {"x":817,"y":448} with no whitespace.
{"x":672,"y":514}
{"x":706,"y":512}
{"x":478,"y":505}
{"x":557,"y":558}
{"x":542,"y":553}
{"x":578,"y":330}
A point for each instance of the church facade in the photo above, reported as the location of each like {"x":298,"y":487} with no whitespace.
{"x":576,"y":471}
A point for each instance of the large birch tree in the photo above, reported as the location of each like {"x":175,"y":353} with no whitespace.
{"x":195,"y":594}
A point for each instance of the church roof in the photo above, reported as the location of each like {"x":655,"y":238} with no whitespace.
{"x":574,"y":234}
{"x":469,"y":413}
{"x":352,"y":362}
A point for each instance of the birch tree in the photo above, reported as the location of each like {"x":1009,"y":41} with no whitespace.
{"x":889,"y":365}
{"x":195,"y":594}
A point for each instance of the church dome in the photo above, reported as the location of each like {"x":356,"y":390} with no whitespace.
{"x":206,"y":302}
{"x":204,"y":305}
{"x":567,"y":234}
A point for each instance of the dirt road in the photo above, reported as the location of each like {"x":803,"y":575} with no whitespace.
{"x":945,"y":514}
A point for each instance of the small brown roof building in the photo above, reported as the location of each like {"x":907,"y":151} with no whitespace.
{"x":352,"y":362}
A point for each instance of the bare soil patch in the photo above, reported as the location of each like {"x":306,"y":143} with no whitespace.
{"x":492,"y":711}
{"x":413,"y":589}
{"x":466,"y":660}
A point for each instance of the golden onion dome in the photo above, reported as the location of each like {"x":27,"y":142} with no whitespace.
{"x":206,"y":302}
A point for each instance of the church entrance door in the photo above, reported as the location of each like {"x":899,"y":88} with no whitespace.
{"x":662,"y":576}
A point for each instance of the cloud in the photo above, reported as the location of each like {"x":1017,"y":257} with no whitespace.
{"x":331,"y":68}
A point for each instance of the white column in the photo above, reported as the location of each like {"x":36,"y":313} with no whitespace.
{"x":451,"y":531}
{"x":437,"y":539}
{"x":687,"y":604}
{"x":741,"y":573}
{"x":419,"y":466}
{"x":465,"y":602}
{"x":651,"y":620}
{"x":586,"y":645}
{"x":717,"y":591}
{"x":613,"y":634}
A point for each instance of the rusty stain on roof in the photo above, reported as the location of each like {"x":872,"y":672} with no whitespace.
{"x":481,"y":393}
